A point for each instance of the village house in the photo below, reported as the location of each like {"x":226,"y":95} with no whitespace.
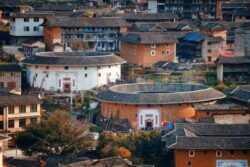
{"x":17,"y":110}
{"x":150,"y":17}
{"x":31,"y":47}
{"x":242,"y":15}
{"x":240,"y":94}
{"x":148,"y":48}
{"x":229,"y":9}
{"x":215,"y":30}
{"x":196,"y":46}
{"x":8,"y":7}
{"x":186,"y":8}
{"x":98,"y":34}
{"x":72,"y":71}
{"x":233,"y":70}
{"x":26,"y":26}
{"x":242,"y":40}
{"x":222,"y":113}
{"x":148,"y":106}
{"x":10,"y":76}
{"x":209,"y":145}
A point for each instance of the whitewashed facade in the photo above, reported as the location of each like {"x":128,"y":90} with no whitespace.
{"x":64,"y":78}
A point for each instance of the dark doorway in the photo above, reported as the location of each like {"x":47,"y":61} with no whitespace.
{"x":149,"y":125}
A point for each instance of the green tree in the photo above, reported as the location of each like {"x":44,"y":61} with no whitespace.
{"x":56,"y":135}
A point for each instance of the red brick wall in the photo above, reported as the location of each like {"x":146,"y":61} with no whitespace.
{"x":51,"y":35}
{"x":209,"y":159}
{"x":140,"y":54}
{"x":167,"y":112}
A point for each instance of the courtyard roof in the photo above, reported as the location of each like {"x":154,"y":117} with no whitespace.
{"x":74,"y":59}
{"x":146,"y":93}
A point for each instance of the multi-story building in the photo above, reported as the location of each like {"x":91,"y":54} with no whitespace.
{"x":99,"y":34}
{"x":72,"y":71}
{"x":10,"y":76}
{"x":25,"y":26}
{"x":196,"y":46}
{"x":242,"y":41}
{"x":222,"y":113}
{"x":148,"y":48}
{"x":7,"y":7}
{"x":209,"y":145}
{"x":17,"y":110}
{"x":187,"y":8}
{"x":148,"y":106}
{"x":233,"y":70}
{"x":230,"y":10}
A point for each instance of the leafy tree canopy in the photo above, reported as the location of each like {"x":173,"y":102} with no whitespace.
{"x":56,"y":135}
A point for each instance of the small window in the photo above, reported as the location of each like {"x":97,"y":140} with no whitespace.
{"x":86,"y":75}
{"x":36,"y":19}
{"x":22,"y":109}
{"x":231,"y":152}
{"x":152,"y":53}
{"x":205,"y":152}
{"x":66,"y":67}
{"x":244,"y":152}
{"x":1,"y":84}
{"x":163,"y":52}
{"x":99,"y":75}
{"x":11,"y":109}
{"x":12,"y":74}
{"x":153,"y":45}
{"x":35,"y":28}
{"x":33,"y":108}
{"x":167,"y":45}
{"x":209,"y":50}
{"x":209,"y":43}
{"x":47,"y":67}
{"x":22,"y":122}
{"x":1,"y":74}
{"x":1,"y":110}
{"x":209,"y":58}
{"x":47,"y":75}
{"x":189,"y":164}
{"x":26,"y":19}
{"x":36,"y":66}
{"x":98,"y":67}
{"x":191,"y":153}
{"x":167,"y":52}
{"x":26,"y":28}
{"x":109,"y":66}
{"x":11,"y":123}
{"x":1,"y":125}
{"x":218,"y":153}
{"x":85,"y":68}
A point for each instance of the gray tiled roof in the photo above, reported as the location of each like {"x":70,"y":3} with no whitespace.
{"x":233,"y":60}
{"x":219,"y":107}
{"x":9,"y":99}
{"x":10,"y":68}
{"x":85,"y":22}
{"x":74,"y":59}
{"x":150,"y":16}
{"x":159,"y":94}
{"x":209,"y":136}
{"x":150,"y":38}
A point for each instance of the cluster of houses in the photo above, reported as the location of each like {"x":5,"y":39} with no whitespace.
{"x":65,"y":50}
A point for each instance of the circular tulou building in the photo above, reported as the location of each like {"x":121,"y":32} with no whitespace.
{"x":63,"y":71}
{"x":150,"y":105}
